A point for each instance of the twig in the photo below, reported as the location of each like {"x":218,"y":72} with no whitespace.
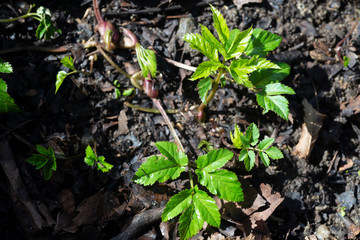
{"x":150,"y":110}
{"x":338,"y":48}
{"x":34,"y":48}
{"x":180,"y":65}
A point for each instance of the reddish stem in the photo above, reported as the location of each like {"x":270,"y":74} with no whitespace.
{"x":338,"y":46}
{"x":97,"y":12}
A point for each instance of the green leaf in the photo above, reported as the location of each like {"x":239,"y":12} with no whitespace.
{"x":7,"y":103}
{"x":177,"y":204}
{"x":204,"y":87}
{"x":205,"y":69}
{"x":235,"y":139}
{"x":102,"y":165}
{"x":346,"y":61}
{"x":252,"y":133}
{"x":209,"y":37}
{"x":262,"y":42}
{"x":190,"y":222}
{"x":45,"y":29}
{"x":90,"y":157}
{"x":237,"y":42}
{"x":45,"y":160}
{"x":207,"y":207}
{"x":248,"y":157}
{"x":157,"y":169}
{"x":68,"y":62}
{"x":243,"y":155}
{"x":222,"y":183}
{"x":220,"y":25}
{"x":245,"y":141}
{"x":147,"y":60}
{"x":261,"y":77}
{"x":215,"y":159}
{"x":239,"y":70}
{"x":5,"y":67}
{"x":274,"y":153}
{"x":263,"y":63}
{"x":197,"y":42}
{"x":48,"y":169}
{"x":278,"y":88}
{"x":264,"y":158}
{"x":265,"y":143}
{"x":278,"y":104}
{"x":60,"y":77}
{"x":128,"y":92}
{"x":170,"y":150}
{"x":37,"y":160}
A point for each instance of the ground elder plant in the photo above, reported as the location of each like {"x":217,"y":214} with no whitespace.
{"x":242,"y":56}
{"x":194,"y":205}
{"x":7,"y":103}
{"x":45,"y":159}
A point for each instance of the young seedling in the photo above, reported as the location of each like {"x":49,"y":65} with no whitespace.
{"x":61,"y":75}
{"x":46,"y":28}
{"x":7,"y":103}
{"x":45,"y":159}
{"x":92,"y":160}
{"x":194,"y":205}
{"x":243,"y":58}
{"x":110,"y":35}
{"x":248,"y":143}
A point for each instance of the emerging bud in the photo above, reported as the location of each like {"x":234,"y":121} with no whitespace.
{"x":109,"y":34}
{"x":149,"y":88}
{"x":128,"y":39}
{"x":200,"y":115}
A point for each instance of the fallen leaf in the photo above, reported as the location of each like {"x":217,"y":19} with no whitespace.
{"x":351,"y":107}
{"x":240,"y":3}
{"x":167,"y":229}
{"x":313,"y":122}
{"x":122,"y":124}
{"x":67,"y":200}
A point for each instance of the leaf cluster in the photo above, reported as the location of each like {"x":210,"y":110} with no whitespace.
{"x":46,"y":28}
{"x":194,"y":205}
{"x":45,"y":159}
{"x":92,"y":159}
{"x":248,"y":143}
{"x":243,"y":55}
{"x":7,"y":102}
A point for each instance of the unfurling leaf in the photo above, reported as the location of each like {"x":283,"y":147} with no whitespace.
{"x":46,"y":29}
{"x":60,"y":77}
{"x":204,"y":87}
{"x":68,"y":62}
{"x":235,"y":139}
{"x":92,"y":159}
{"x":147,"y":60}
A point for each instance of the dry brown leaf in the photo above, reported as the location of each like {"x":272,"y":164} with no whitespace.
{"x":351,"y":107}
{"x":240,"y":3}
{"x":122,"y":123}
{"x":67,"y":201}
{"x":313,"y":122}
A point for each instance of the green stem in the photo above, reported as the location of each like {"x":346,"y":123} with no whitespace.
{"x":28,"y":14}
{"x":150,"y":110}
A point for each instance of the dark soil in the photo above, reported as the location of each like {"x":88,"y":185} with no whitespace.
{"x":321,"y":193}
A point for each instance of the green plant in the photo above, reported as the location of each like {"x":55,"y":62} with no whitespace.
{"x":243,"y":58}
{"x":92,"y":159}
{"x":45,"y":159}
{"x":7,"y":102}
{"x":46,"y":29}
{"x":61,"y":75}
{"x":195,"y":205}
{"x":248,"y":143}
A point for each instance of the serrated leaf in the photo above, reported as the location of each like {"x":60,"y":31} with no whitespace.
{"x":262,"y":42}
{"x":177,"y":204}
{"x":46,"y":29}
{"x":190,"y":222}
{"x":48,"y":169}
{"x":37,"y":160}
{"x":265,"y":143}
{"x":278,"y":104}
{"x":60,"y":77}
{"x":252,"y":133}
{"x":245,"y":141}
{"x":170,"y":150}
{"x":215,"y":159}
{"x":197,"y":42}
{"x":7,"y":103}
{"x":147,"y":60}
{"x":44,"y":151}
{"x":261,"y":77}
{"x":102,"y":165}
{"x":222,"y":183}
{"x":5,"y":67}
{"x":243,"y":155}
{"x":278,"y":88}
{"x":237,"y":42}
{"x":157,"y":169}
{"x":274,"y":153}
{"x":235,"y":139}
{"x":220,"y":25}
{"x":263,"y":63}
{"x":68,"y":62}
{"x":205,"y":69}
{"x":250,"y":161}
{"x":207,"y":207}
{"x":239,"y":70}
{"x":264,"y":158}
{"x":209,"y":37}
{"x":204,"y":87}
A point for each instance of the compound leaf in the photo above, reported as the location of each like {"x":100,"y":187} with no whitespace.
{"x":209,"y":37}
{"x":197,"y":42}
{"x":147,"y":60}
{"x":177,"y":204}
{"x":60,"y":77}
{"x":239,"y":70}
{"x":237,"y":42}
{"x":157,"y":169}
{"x":90,"y":156}
{"x":207,"y":207}
{"x":262,"y":42}
{"x":220,"y":25}
{"x":264,"y":158}
{"x":170,"y":150}
{"x":204,"y":87}
{"x":222,"y":183}
{"x":248,"y":157}
{"x":274,"y":153}
{"x":261,"y":77}
{"x":190,"y":222}
{"x":37,"y":160}
{"x":215,"y":159}
{"x":277,"y":103}
{"x":205,"y":69}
